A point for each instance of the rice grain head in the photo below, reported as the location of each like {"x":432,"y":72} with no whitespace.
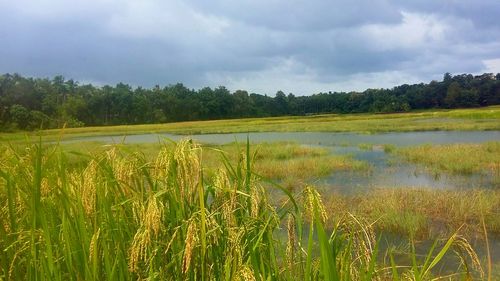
{"x":313,"y":203}
{"x":89,"y":187}
{"x":245,"y":274}
{"x":188,"y":168}
{"x":93,"y":248}
{"x":290,"y":248}
{"x":190,"y":244}
{"x":152,"y":216}
{"x":138,"y":249}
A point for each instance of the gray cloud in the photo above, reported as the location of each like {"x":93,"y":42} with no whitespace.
{"x":262,"y":46}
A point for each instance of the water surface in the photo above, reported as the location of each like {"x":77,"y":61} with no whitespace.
{"x":385,"y":171}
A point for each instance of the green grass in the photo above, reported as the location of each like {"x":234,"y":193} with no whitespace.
{"x":125,"y":217}
{"x":487,"y":118}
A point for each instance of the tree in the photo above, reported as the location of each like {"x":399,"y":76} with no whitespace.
{"x":20,"y":116}
{"x":452,"y":95}
{"x":281,"y":103}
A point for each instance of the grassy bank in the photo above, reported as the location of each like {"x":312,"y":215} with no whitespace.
{"x":460,"y":119}
{"x":124,"y":217}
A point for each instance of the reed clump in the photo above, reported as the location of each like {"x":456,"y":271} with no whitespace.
{"x":124,"y":217}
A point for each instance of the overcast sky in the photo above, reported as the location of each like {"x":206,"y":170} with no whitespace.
{"x":261,"y":46}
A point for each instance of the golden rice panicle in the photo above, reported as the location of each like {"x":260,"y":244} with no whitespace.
{"x":313,"y":203}
{"x":190,"y":243}
{"x":111,"y":154}
{"x":221,"y":181}
{"x":188,"y":167}
{"x":292,"y":237}
{"x":465,"y":251}
{"x":149,"y":217}
{"x":6,"y":158}
{"x":245,"y":274}
{"x":89,"y":187}
{"x":162,"y":164}
{"x":152,"y":216}
{"x":255,"y":199}
{"x":93,"y":247}
{"x":233,"y":251}
{"x":138,"y":210}
{"x":363,"y":240}
{"x":138,"y":249}
{"x":225,"y":197}
{"x":45,"y":189}
{"x":123,"y":168}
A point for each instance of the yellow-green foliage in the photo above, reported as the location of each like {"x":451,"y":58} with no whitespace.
{"x":457,"y":158}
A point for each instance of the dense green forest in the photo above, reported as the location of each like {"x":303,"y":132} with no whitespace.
{"x":32,"y":103}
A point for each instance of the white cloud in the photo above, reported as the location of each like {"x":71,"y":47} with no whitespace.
{"x":492,"y":65}
{"x":415,"y":31}
{"x":291,"y":76}
{"x":164,"y":20}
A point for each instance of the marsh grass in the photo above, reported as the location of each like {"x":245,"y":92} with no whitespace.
{"x":423,"y":213}
{"x":123,"y":217}
{"x":290,"y":161}
{"x":457,"y":158}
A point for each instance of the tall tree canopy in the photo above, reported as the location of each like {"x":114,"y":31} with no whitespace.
{"x":32,"y":103}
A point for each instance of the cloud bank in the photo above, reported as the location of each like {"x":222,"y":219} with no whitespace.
{"x":262,"y":46}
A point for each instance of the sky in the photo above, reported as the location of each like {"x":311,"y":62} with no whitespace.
{"x":262,"y":46}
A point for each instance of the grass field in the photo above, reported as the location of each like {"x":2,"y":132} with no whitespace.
{"x":487,"y":118}
{"x":126,"y":215}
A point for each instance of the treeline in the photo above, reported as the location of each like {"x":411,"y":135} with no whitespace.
{"x":31,"y":103}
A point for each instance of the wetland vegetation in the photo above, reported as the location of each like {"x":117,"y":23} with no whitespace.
{"x":483,"y":158}
{"x":123,"y":215}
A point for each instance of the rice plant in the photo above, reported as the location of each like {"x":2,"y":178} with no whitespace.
{"x":123,"y":217}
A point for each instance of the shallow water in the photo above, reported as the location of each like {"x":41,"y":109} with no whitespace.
{"x":317,"y":138}
{"x":385,"y":171}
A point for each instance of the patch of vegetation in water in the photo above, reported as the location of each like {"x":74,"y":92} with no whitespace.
{"x":465,"y":159}
{"x":421,"y":212}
